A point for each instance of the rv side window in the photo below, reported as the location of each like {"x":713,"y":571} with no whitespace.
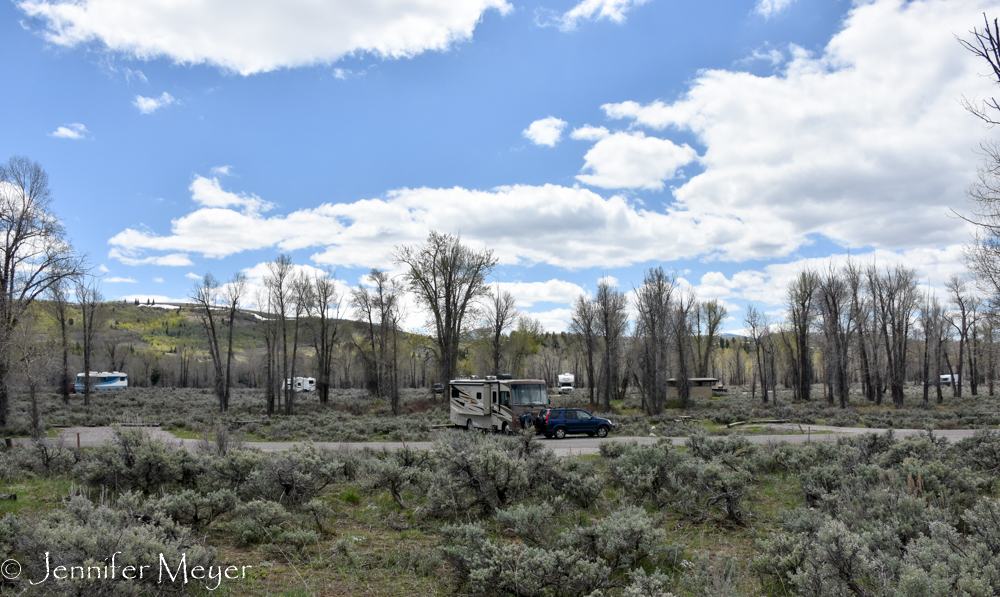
{"x":494,"y":397}
{"x":479,"y":395}
{"x":504,"y":398}
{"x":455,"y":393}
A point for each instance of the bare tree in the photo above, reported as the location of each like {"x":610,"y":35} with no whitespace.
{"x":584,"y":323}
{"x":325,"y":330}
{"x":279,"y":284}
{"x":233,"y":294}
{"x":92,"y":314}
{"x":58,"y":306}
{"x":34,"y":253}
{"x":932,"y":320}
{"x":759,"y":327}
{"x":801,"y":314}
{"x":304,"y":301}
{"x":379,"y":307}
{"x":985,"y":44}
{"x":962,"y":318}
{"x":446,"y":277}
{"x":205,"y":295}
{"x":894,"y":295}
{"x":612,"y":324}
{"x":708,"y":318}
{"x":681,"y":332}
{"x":838,"y":309}
{"x":654,"y":304}
{"x":499,"y":317}
{"x":34,"y":355}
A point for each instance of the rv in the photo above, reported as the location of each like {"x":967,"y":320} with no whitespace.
{"x":947,"y":379}
{"x":302,"y":384}
{"x":104,"y":380}
{"x":566,"y":383}
{"x":497,"y":403}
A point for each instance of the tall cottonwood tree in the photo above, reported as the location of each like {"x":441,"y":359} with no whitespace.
{"x":34,"y":254}
{"x":205,"y":295}
{"x":379,"y":306}
{"x":837,"y":300}
{"x":894,"y":297}
{"x":962,"y":317}
{"x":801,"y":314}
{"x":708,"y":317}
{"x":92,"y":315}
{"x":233,"y":295}
{"x":499,"y":317}
{"x":446,"y":277}
{"x":612,"y":324}
{"x":326,"y":325}
{"x":681,"y":332}
{"x":654,"y":322}
{"x":58,"y":306}
{"x":584,"y":323}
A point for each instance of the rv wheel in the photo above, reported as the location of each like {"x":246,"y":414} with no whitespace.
{"x":505,"y":429}
{"x":468,"y":424}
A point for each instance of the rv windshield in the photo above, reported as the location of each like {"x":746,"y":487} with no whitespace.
{"x":529,"y":394}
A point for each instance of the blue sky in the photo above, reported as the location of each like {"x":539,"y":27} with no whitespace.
{"x":732,"y":142}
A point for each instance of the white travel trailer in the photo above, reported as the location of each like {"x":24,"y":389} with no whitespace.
{"x":566,"y":383}
{"x":103,"y":380}
{"x":302,"y":384}
{"x":947,"y":379}
{"x":497,"y":403}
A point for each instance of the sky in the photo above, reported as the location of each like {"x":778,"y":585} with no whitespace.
{"x":732,"y":142}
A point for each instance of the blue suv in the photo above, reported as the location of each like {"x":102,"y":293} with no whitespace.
{"x":560,"y":422}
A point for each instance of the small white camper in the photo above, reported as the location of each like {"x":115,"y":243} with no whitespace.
{"x":301,"y":385}
{"x":566,"y":383}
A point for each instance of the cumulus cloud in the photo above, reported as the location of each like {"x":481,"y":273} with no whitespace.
{"x":252,"y":36}
{"x":127,"y":256}
{"x":70,"y":131}
{"x":222,"y":170}
{"x":864,"y":142}
{"x":546,"y":131}
{"x":769,"y":8}
{"x":634,"y":161}
{"x":561,"y":226}
{"x":115,"y":279}
{"x":609,"y":280}
{"x":526,"y":294}
{"x":594,"y":10}
{"x":192,"y":276}
{"x":209,"y":193}
{"x":589,"y":133}
{"x":148,"y":105}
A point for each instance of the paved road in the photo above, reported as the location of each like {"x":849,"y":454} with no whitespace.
{"x":572,"y":446}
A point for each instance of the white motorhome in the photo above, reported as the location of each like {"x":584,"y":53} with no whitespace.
{"x":103,"y":380}
{"x":302,"y":384}
{"x":947,"y":379}
{"x":497,"y":403}
{"x":566,"y":383}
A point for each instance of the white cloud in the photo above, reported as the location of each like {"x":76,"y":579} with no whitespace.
{"x":769,"y":8}
{"x":148,"y":105}
{"x":595,"y":10}
{"x":192,"y":276}
{"x":252,"y":36}
{"x":222,"y":170}
{"x":526,"y":294}
{"x":158,"y":280}
{"x":589,"y":133}
{"x":70,"y":131}
{"x":609,"y":280}
{"x":127,"y":256}
{"x":546,"y":131}
{"x":209,"y":193}
{"x":115,"y":279}
{"x":103,"y":268}
{"x":555,"y":320}
{"x":866,"y":143}
{"x":633,"y":160}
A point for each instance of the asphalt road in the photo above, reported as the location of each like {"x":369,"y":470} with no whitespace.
{"x":571,"y":446}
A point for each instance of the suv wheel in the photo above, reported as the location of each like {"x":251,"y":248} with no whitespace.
{"x":560,"y":433}
{"x":602,"y":431}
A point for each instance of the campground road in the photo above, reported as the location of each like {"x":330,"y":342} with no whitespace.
{"x":571,"y":446}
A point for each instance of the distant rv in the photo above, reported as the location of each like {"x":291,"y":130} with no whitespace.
{"x":302,"y":384}
{"x":104,"y":380}
{"x":946,"y":379}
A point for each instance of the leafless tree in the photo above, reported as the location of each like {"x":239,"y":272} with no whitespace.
{"x":205,"y":295}
{"x":380,"y":308}
{"x":654,"y":305}
{"x":801,"y":314}
{"x":612,"y":324}
{"x":34,"y":253}
{"x":304,"y":302}
{"x":932,"y":320}
{"x":759,"y":327}
{"x":93,"y":315}
{"x":894,"y":295}
{"x":233,"y":294}
{"x":446,"y":277}
{"x":838,"y":308}
{"x":708,"y":318}
{"x":584,"y":323}
{"x":985,"y":44}
{"x":327,"y":324}
{"x":681,"y":333}
{"x":499,"y":317}
{"x":962,"y":318}
{"x":34,"y":355}
{"x":278,"y":281}
{"x":58,"y":306}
